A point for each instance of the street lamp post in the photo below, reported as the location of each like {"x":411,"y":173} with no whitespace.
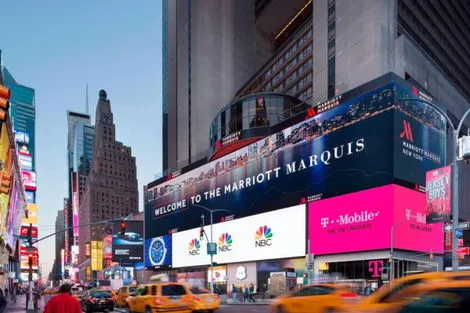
{"x":392,"y":242}
{"x":211,"y":212}
{"x":455,"y":175}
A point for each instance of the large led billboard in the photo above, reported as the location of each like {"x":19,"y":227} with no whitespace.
{"x":315,"y":159}
{"x":29,"y":180}
{"x":273,"y":235}
{"x":32,"y":215}
{"x":128,"y":248}
{"x":363,"y":221}
{"x":158,"y":251}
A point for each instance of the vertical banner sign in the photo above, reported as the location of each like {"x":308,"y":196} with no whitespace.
{"x":438,"y":195}
{"x":75,"y":206}
{"x":96,"y":255}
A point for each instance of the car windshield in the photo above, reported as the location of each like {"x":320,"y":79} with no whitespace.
{"x":198,"y":291}
{"x":100,"y":294}
{"x":132,"y":289}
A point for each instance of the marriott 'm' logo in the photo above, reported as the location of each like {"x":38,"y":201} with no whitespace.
{"x":407,"y":133}
{"x":311,"y":112}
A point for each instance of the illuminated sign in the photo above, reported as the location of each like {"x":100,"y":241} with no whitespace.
{"x":32,"y":215}
{"x":29,"y":180}
{"x":96,"y":255}
{"x":258,"y":237}
{"x":24,"y":231}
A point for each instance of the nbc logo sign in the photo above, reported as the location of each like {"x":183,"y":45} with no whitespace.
{"x":225,"y":242}
{"x":263,"y":236}
{"x":194,"y":247}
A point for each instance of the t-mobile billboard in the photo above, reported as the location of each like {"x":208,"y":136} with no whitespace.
{"x":354,"y":141}
{"x":363,"y":221}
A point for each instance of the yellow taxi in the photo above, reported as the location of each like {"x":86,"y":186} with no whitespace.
{"x":123,"y":293}
{"x":314,"y":298}
{"x":203,"y":300}
{"x":439,"y":297}
{"x":391,"y":297}
{"x":160,"y":297}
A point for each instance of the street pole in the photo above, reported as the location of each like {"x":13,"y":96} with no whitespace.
{"x":211,"y":211}
{"x":212,"y":256}
{"x":455,"y":204}
{"x":392,"y":266}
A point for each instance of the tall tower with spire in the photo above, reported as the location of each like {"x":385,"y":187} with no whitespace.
{"x":111,"y":190}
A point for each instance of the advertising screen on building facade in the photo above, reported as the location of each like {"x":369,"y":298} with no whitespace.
{"x":32,"y":215}
{"x":158,"y":251}
{"x":96,"y":255}
{"x":314,"y":159}
{"x":129,"y":247}
{"x":438,"y":195}
{"x":273,"y":235}
{"x":362,"y":221}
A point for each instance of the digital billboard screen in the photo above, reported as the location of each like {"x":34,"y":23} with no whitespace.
{"x":317,"y":158}
{"x":128,"y":247}
{"x":158,"y":251}
{"x":362,"y":221}
{"x":273,"y":235}
{"x":438,"y":195}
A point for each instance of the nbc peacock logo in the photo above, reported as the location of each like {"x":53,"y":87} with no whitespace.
{"x":263,"y":237}
{"x":225,"y":242}
{"x":194,"y":247}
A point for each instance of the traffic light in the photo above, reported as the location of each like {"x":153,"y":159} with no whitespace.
{"x":5,"y":183}
{"x":123,"y":228}
{"x":4,"y":104}
{"x":201,"y":233}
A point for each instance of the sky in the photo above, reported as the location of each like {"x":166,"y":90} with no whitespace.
{"x":57,"y":47}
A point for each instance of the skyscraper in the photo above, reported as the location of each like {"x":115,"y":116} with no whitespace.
{"x":312,"y":50}
{"x":59,"y":244}
{"x":111,"y":190}
{"x":210,"y":48}
{"x":79,"y":155}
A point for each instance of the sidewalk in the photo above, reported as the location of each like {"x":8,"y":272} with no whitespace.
{"x":20,"y":305}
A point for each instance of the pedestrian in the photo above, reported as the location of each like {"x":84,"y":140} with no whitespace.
{"x":3,"y":301}
{"x":63,"y":302}
{"x":252,"y":290}
{"x":234,"y":294}
{"x":246,"y":293}
{"x":13,"y":295}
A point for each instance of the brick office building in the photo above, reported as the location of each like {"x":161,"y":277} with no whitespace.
{"x":111,"y":190}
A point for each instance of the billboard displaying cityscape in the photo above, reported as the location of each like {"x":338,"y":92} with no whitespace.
{"x":314,"y":159}
{"x":128,"y":248}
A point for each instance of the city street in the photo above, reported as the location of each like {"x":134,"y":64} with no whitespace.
{"x":233,"y":309}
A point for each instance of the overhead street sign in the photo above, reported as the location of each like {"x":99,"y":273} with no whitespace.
{"x":211,"y":248}
{"x":461,"y":226}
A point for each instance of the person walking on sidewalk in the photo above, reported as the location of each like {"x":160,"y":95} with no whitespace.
{"x":64,"y":302}
{"x":3,"y":301}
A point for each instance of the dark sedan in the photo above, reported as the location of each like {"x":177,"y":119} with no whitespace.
{"x":98,"y":301}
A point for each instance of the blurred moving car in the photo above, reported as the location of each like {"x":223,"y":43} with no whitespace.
{"x":160,"y":297}
{"x":314,"y":298}
{"x":203,"y":300}
{"x":97,"y":300}
{"x":440,"y":297}
{"x":78,"y":294}
{"x":390,"y":298}
{"x":123,"y":293}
